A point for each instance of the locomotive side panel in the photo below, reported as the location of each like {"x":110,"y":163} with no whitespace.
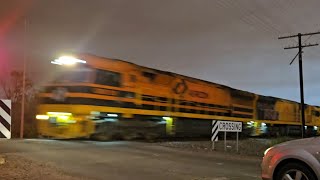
{"x":242,"y":104}
{"x":288,"y":111}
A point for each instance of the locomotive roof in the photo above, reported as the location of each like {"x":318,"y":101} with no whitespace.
{"x":192,"y":78}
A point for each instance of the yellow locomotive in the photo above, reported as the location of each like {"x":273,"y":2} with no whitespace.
{"x":95,"y":96}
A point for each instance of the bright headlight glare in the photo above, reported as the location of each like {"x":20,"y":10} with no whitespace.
{"x":59,"y":113}
{"x":167,"y":118}
{"x":63,"y":117}
{"x":42,"y":117}
{"x":67,"y":60}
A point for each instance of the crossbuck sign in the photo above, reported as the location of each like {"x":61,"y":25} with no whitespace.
{"x":225,"y":126}
{"x":229,"y":126}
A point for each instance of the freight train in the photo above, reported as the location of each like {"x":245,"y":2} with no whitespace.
{"x":94,"y":97}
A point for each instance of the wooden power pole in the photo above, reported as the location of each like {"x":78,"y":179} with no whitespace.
{"x":300,"y":46}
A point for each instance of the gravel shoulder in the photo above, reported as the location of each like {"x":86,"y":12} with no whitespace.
{"x":247,"y":147}
{"x":18,"y":167}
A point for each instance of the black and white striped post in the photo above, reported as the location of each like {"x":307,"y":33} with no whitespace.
{"x":214,"y":132}
{"x":5,"y":119}
{"x":225,"y":126}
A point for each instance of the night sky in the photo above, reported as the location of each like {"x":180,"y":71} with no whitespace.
{"x":234,"y":43}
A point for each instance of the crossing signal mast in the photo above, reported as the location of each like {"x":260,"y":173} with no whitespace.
{"x":300,"y":46}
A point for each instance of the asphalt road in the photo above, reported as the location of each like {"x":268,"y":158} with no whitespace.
{"x":133,"y":160}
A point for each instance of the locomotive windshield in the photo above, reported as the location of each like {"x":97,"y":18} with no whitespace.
{"x":82,"y":74}
{"x":87,"y":74}
{"x":108,"y":78}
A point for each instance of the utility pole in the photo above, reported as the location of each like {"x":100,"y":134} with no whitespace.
{"x":23,"y":79}
{"x":300,"y":46}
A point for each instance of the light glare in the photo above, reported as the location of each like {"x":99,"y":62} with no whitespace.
{"x":167,"y":118}
{"x":59,"y":113}
{"x":112,"y":115}
{"x":266,"y":151}
{"x":42,"y":117}
{"x":67,"y":60}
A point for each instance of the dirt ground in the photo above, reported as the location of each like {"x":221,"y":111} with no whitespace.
{"x":19,"y":168}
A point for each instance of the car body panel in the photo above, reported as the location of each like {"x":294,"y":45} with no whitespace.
{"x":305,"y":150}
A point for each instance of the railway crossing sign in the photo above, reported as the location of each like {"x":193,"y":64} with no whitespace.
{"x":225,"y":126}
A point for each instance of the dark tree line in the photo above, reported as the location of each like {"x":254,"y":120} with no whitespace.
{"x":12,"y":88}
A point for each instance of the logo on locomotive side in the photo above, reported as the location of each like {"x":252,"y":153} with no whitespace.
{"x":181,"y":89}
{"x":59,"y":94}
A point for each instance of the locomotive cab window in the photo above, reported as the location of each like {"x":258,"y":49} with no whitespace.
{"x":149,"y":75}
{"x":76,"y":74}
{"x":316,"y":113}
{"x":108,"y":78}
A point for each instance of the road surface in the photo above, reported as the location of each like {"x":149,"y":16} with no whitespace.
{"x":133,"y":160}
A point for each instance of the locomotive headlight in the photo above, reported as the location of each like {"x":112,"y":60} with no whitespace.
{"x":67,"y":60}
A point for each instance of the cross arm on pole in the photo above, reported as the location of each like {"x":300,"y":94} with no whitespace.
{"x":286,"y":37}
{"x":310,"y":34}
{"x":296,"y":35}
{"x":303,"y":46}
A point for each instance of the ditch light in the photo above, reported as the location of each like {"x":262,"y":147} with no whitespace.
{"x":57,"y":117}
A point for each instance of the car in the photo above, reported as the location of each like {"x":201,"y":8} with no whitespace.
{"x":292,"y":160}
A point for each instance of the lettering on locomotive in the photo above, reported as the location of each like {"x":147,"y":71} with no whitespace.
{"x":198,"y":94}
{"x":108,"y":92}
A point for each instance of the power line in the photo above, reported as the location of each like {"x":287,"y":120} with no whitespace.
{"x":250,"y":17}
{"x":300,"y":46}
